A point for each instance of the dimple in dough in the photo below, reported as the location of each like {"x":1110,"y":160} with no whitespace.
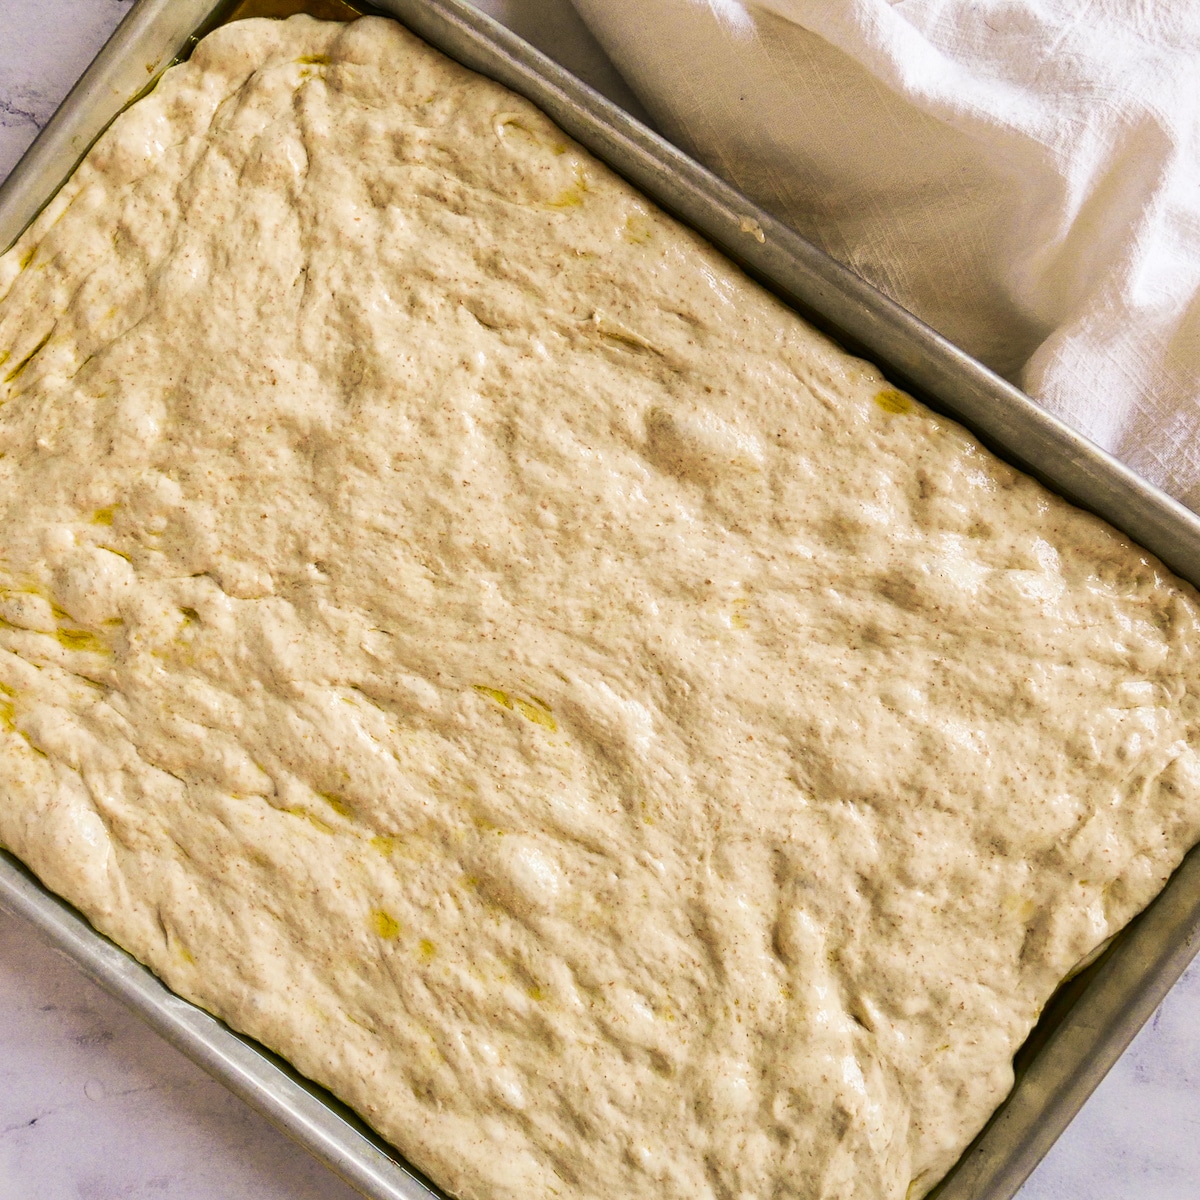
{"x":461,"y":631}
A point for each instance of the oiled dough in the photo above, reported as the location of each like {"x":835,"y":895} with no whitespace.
{"x":461,"y":631}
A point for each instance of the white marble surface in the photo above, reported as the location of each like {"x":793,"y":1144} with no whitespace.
{"x":93,"y":1106}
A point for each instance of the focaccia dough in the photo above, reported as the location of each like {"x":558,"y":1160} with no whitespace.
{"x":461,"y":631}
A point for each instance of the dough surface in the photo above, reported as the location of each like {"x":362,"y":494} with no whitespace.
{"x":459,"y":630}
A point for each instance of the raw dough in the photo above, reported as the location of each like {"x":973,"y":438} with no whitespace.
{"x":462,"y":632}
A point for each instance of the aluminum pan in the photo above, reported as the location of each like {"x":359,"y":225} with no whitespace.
{"x":1093,"y":1019}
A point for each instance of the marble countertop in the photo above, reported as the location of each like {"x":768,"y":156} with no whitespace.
{"x":94,"y":1106}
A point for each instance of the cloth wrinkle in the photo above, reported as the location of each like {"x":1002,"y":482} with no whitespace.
{"x":1021,"y":174}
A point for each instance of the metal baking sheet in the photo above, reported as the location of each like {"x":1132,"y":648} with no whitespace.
{"x":1092,"y":1018}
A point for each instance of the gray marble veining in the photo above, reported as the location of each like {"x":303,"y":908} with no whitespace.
{"x":93,"y":1106}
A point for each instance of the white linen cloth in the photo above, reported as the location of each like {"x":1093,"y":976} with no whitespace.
{"x":1024,"y":175}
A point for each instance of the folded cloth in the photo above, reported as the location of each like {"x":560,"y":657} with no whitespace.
{"x":1024,"y":175}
